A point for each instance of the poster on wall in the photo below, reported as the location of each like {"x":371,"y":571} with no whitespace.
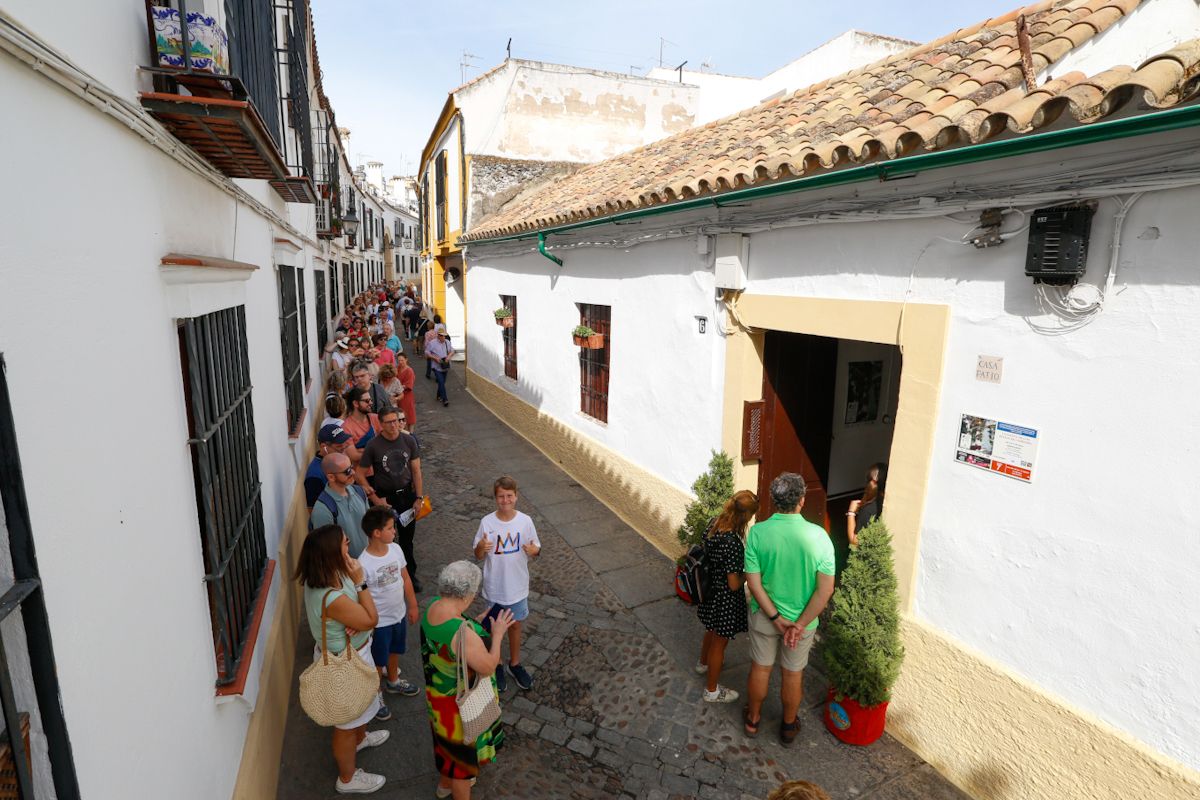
{"x":999,"y":447}
{"x":864,"y":388}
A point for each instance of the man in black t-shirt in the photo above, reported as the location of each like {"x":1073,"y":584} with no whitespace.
{"x":394,"y":459}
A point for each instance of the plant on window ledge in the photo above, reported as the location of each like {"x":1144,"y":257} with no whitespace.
{"x":504,"y":317}
{"x":587,"y":338}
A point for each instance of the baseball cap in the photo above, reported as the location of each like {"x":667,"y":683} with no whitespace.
{"x":332,"y":434}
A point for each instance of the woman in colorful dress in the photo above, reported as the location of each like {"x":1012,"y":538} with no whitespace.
{"x":723,"y":612}
{"x":457,"y":762}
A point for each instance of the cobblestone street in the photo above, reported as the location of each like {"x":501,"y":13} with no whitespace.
{"x":615,"y":710}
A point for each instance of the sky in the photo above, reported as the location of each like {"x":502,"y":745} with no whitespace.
{"x":389,"y":64}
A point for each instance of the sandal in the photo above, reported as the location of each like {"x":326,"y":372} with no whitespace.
{"x":788,"y":732}
{"x":750,"y":728}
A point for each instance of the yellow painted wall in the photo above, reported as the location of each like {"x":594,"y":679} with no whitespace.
{"x":436,"y":295}
{"x":646,"y":502}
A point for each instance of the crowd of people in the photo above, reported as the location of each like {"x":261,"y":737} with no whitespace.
{"x":365,"y":493}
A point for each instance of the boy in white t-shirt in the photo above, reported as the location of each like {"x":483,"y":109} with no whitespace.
{"x":386,"y":574}
{"x":506,"y":541}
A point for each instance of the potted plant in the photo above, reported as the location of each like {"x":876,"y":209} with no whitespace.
{"x":861,"y":641}
{"x":504,"y":317}
{"x":586,"y":337}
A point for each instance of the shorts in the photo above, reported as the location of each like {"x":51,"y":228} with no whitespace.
{"x":766,"y":641}
{"x":364,"y":653}
{"x":519,"y":609}
{"x":388,"y":639}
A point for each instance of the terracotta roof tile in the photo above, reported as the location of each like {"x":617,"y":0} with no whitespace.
{"x":961,"y":89}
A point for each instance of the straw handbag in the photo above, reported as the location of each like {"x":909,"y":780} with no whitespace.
{"x":337,"y":690}
{"x":478,"y":705}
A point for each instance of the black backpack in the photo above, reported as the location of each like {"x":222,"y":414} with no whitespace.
{"x":693,"y":576}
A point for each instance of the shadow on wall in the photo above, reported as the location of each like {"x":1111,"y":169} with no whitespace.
{"x":644,"y":501}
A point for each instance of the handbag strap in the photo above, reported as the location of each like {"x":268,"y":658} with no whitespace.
{"x":463,"y":687}
{"x":324,"y":618}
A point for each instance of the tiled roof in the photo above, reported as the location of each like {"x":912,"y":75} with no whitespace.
{"x":961,"y":89}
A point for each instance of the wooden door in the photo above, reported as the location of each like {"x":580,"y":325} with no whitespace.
{"x":798,"y":387}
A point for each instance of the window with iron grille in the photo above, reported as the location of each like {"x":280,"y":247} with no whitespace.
{"x":302,"y":321}
{"x":289,"y":343}
{"x":322,"y":312}
{"x":439,"y":186}
{"x":334,"y":308}
{"x":216,"y":378}
{"x":349,"y":294}
{"x":593,"y":363}
{"x":510,"y":337}
{"x":250,"y":27}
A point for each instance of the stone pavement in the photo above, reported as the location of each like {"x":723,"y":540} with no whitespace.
{"x":615,"y":710}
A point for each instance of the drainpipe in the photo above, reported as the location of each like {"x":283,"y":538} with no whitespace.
{"x":542,"y":249}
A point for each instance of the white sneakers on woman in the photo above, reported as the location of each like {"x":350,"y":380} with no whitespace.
{"x":441,"y":793}
{"x":360,"y":783}
{"x":373,"y":739}
{"x":723,"y":694}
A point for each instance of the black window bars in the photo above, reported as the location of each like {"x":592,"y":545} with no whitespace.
{"x":225,"y":469}
{"x":289,"y":345}
{"x":322,"y":312}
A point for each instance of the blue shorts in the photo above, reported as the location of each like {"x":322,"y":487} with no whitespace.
{"x":519,"y":609}
{"x":388,"y":639}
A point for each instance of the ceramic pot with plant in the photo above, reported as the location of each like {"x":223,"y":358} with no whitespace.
{"x":587,"y":338}
{"x":504,"y":317}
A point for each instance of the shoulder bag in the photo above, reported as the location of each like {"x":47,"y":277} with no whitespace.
{"x":478,"y":705}
{"x":337,"y":690}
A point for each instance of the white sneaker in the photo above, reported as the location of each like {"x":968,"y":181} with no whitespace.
{"x":441,"y":793}
{"x":361,"y":783}
{"x":373,"y":739}
{"x":723,"y":694}
{"x":700,"y":669}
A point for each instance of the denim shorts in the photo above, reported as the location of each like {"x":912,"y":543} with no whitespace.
{"x":388,"y":639}
{"x":519,"y":609}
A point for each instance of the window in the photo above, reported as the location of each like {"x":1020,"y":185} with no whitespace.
{"x":216,"y":379}
{"x":333,"y":291}
{"x":289,"y":341}
{"x":510,"y":337}
{"x":322,"y":313}
{"x":302,"y":321}
{"x":348,"y":295}
{"x":439,"y":187}
{"x":593,"y":364}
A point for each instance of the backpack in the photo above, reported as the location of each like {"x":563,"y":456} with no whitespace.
{"x":324,"y":499}
{"x":693,"y":578}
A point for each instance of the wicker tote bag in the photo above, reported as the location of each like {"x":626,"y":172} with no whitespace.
{"x":337,"y":689}
{"x":478,"y":705}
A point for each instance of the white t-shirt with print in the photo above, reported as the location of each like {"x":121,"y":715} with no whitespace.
{"x":506,"y":566}
{"x":385,"y":581}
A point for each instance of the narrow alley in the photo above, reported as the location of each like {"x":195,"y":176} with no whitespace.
{"x":615,"y":710}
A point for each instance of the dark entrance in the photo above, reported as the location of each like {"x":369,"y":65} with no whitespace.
{"x":798,"y":382}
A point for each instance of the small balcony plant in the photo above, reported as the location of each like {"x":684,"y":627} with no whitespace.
{"x":862,"y":648}
{"x":587,"y":338}
{"x":504,"y":317}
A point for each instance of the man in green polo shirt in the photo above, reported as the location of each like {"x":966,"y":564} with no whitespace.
{"x":789,"y":568}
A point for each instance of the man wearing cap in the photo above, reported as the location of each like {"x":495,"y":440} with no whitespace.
{"x":330,"y":439}
{"x":439,"y":352}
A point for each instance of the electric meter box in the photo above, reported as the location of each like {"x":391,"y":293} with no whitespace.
{"x":1058,"y":244}
{"x":732,"y":258}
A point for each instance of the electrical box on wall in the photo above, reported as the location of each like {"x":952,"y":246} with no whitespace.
{"x":1058,"y":240}
{"x":732,"y":258}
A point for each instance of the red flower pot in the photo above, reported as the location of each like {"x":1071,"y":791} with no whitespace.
{"x":852,"y":723}
{"x":505,"y":322}
{"x":593,"y":342}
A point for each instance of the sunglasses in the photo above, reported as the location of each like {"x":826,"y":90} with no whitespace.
{"x":348,"y":471}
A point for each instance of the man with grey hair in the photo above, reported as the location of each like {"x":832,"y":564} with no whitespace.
{"x":790,"y":570}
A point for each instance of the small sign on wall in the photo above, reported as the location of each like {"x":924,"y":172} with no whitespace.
{"x":999,"y":447}
{"x":988,"y":369}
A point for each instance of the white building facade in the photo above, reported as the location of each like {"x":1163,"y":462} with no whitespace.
{"x":824,"y":322}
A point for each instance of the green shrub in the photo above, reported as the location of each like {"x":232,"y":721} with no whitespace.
{"x":583,"y":330}
{"x":712,"y":489}
{"x":861,"y":641}
{"x":502,"y":313}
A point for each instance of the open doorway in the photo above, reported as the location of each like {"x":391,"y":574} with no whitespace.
{"x":829,"y":413}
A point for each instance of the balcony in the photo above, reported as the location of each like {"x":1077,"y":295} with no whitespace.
{"x":211,"y":111}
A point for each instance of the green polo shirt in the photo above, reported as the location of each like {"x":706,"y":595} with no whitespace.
{"x":788,"y":551}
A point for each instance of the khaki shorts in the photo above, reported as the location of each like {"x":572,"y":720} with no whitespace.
{"x":766,"y":641}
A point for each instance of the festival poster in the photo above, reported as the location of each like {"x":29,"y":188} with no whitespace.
{"x":999,"y":447}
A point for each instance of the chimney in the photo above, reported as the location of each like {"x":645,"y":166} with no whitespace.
{"x":375,"y":175}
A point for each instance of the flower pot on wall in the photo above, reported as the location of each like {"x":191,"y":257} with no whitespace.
{"x":593,"y":342}
{"x":505,"y":322}
{"x":852,"y":723}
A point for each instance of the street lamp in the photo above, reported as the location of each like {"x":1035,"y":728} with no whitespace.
{"x":350,"y":221}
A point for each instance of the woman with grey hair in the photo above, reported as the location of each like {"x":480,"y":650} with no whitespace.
{"x":457,"y":762}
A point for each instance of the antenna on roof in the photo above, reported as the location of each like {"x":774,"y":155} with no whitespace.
{"x":462,"y":65}
{"x":679,"y":69}
{"x":508,"y":49}
{"x":661,"y":42}
{"x":706,"y":64}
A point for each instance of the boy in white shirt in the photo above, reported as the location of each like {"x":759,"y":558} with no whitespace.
{"x":506,"y":541}
{"x":386,"y":574}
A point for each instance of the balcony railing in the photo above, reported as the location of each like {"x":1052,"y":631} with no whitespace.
{"x":218,"y":92}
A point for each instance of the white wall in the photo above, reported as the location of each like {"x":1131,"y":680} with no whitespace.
{"x":1156,"y":26}
{"x":668,"y":423}
{"x":1083,"y":580}
{"x":117,"y":535}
